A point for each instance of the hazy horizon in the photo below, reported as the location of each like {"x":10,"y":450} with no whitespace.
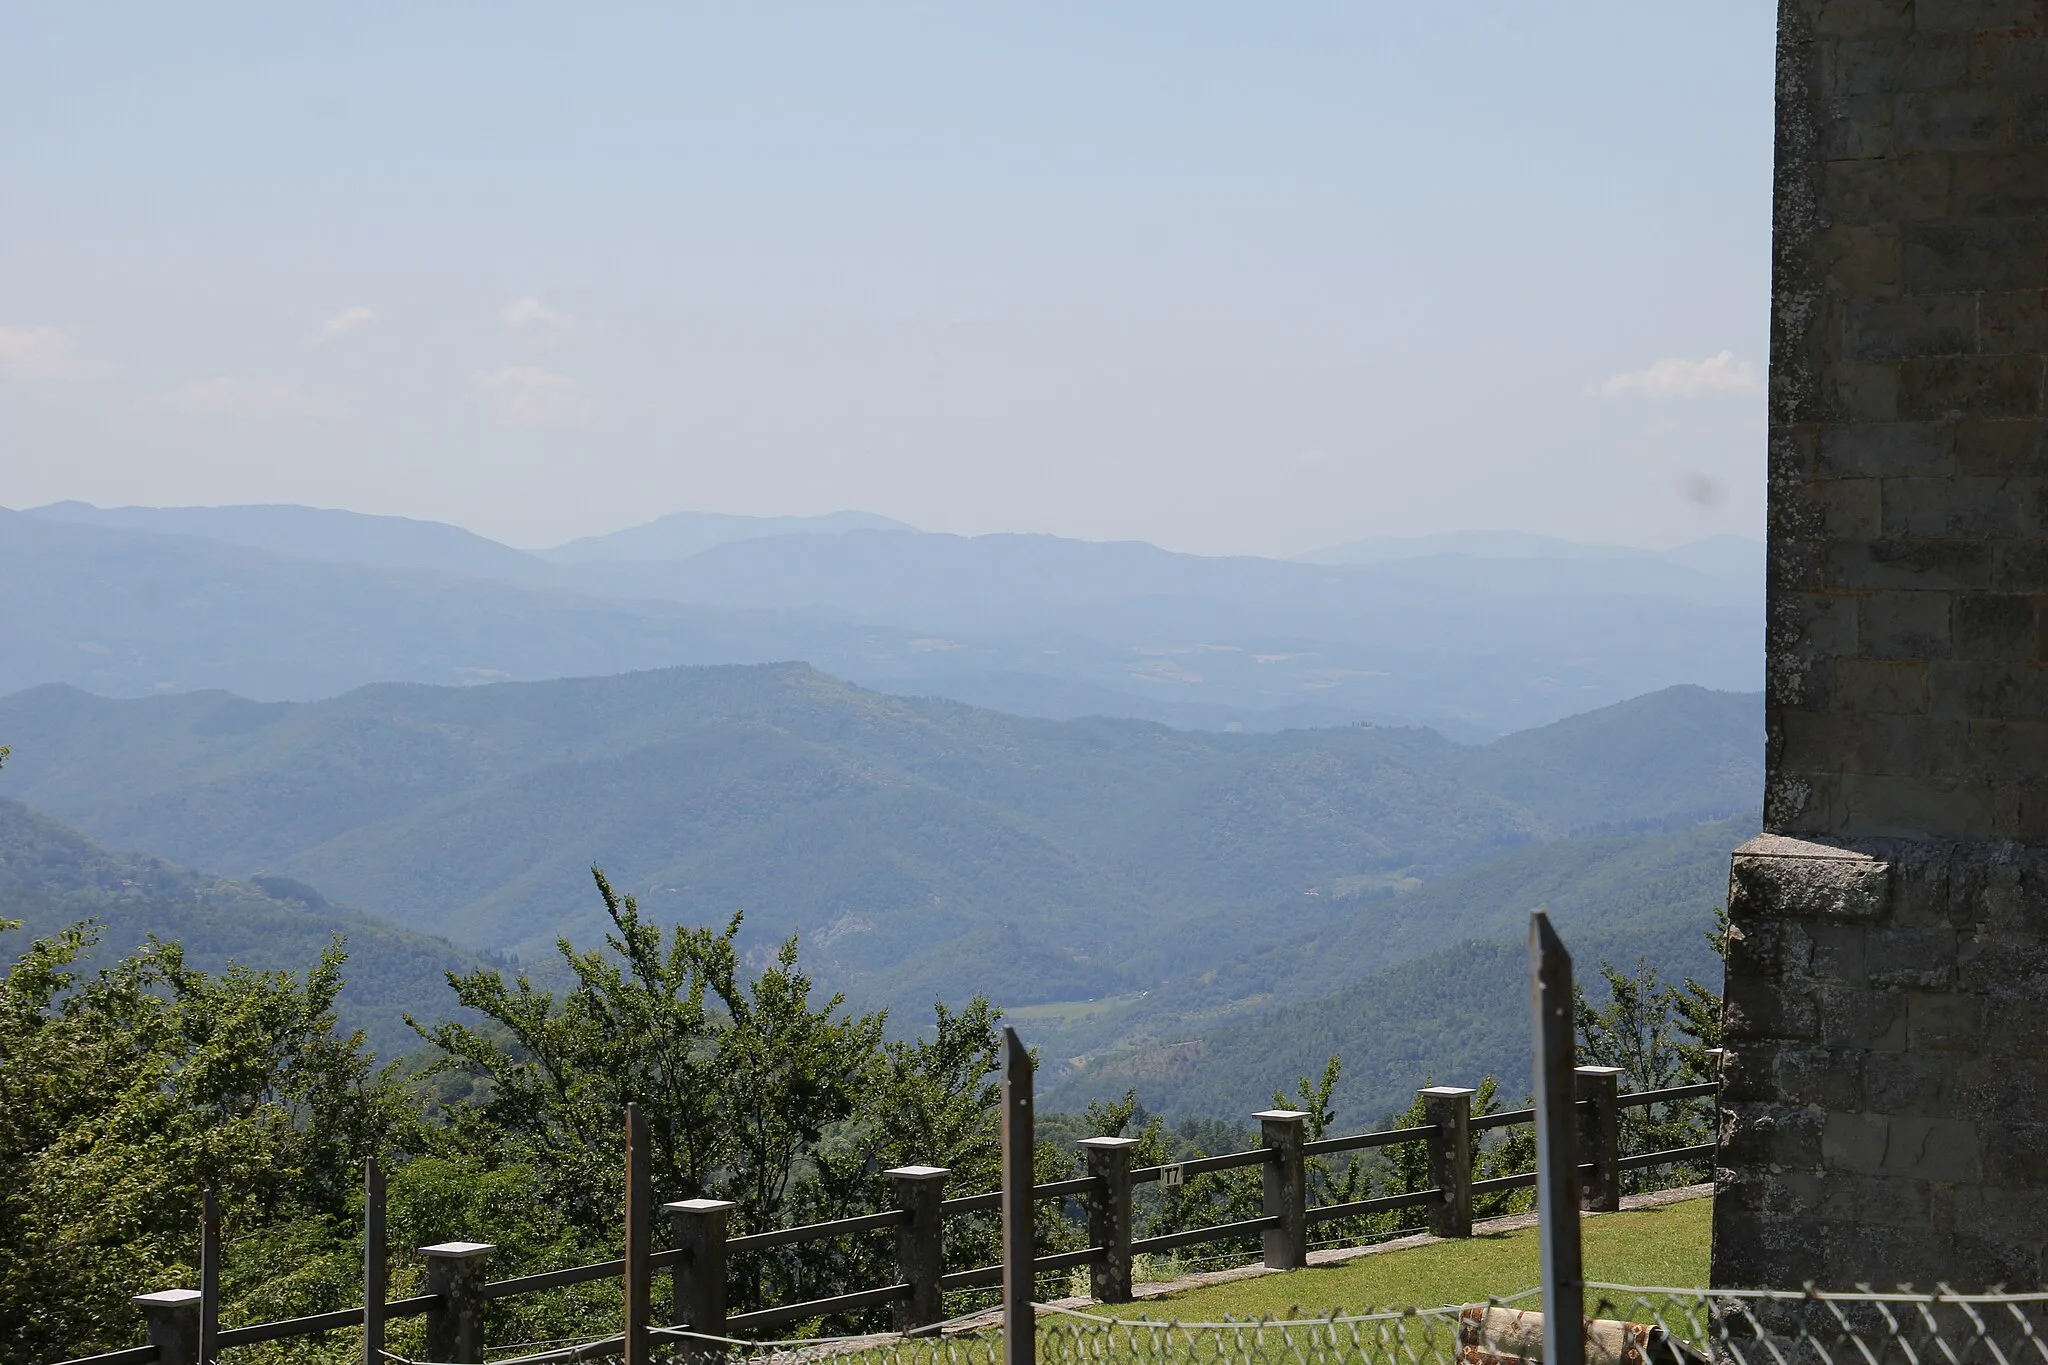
{"x":1223,"y":281}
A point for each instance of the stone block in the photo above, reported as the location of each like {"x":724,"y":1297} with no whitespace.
{"x":1748,"y":1069}
{"x":1987,"y":625}
{"x":2008,"y":966}
{"x":1986,"y":689}
{"x":1916,"y":958}
{"x":1958,"y":505}
{"x":1880,"y":687}
{"x":1923,"y":562}
{"x":1998,"y":184}
{"x":2008,"y":750}
{"x":1863,"y":18}
{"x":1769,"y":948}
{"x":1861,"y":129}
{"x":2016,"y":56}
{"x":1836,"y":955}
{"x":1886,"y":449}
{"x":1796,"y":566}
{"x":2019,"y":565}
{"x":1888,"y":65}
{"x":1855,"y":1143}
{"x":1953,"y":120}
{"x":1753,"y":1009}
{"x":1820,"y":1078}
{"x":1969,"y":16}
{"x":1771,"y":1135}
{"x":1944,"y":1021}
{"x":1886,"y":805}
{"x":2015,"y":1155}
{"x":1911,"y":328}
{"x":1867,"y":261}
{"x":2005,"y":447}
{"x":1776,"y":876}
{"x":1822,"y":740}
{"x":1911,"y":625}
{"x":1995,"y":255}
{"x":1907,"y":1083}
{"x":1951,"y":388}
{"x":1866,"y":390}
{"x":1924,"y":1148}
{"x":1860,"y":1017}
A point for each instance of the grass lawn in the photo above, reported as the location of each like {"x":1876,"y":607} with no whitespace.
{"x":1666,"y":1246}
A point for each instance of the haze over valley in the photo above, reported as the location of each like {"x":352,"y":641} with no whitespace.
{"x":1149,"y":802}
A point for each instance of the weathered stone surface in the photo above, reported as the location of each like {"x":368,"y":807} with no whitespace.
{"x":1885,"y":1111}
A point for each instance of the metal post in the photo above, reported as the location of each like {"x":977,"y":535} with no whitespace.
{"x":920,"y":1244}
{"x":209,"y":1276}
{"x":1600,"y":1127}
{"x":455,"y":1325}
{"x":376,"y":1278}
{"x":173,"y":1318}
{"x":1020,"y":1323}
{"x":1557,"y":1162}
{"x":1109,"y":1216}
{"x":1449,"y":1108}
{"x":639,"y":1207}
{"x":1286,"y":1193}
{"x":698,"y":1228}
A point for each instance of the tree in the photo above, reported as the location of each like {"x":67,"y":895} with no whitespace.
{"x":123,"y":1095}
{"x":754,"y":1091}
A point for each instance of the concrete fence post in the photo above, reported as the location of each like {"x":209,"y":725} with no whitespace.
{"x":1109,"y":1217}
{"x":1600,"y":1138}
{"x":173,"y":1317}
{"x":920,"y":1244}
{"x":455,"y":1326}
{"x":1449,"y":1108}
{"x":698,"y":1230}
{"x":1286,"y":1193}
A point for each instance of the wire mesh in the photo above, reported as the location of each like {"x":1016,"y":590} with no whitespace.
{"x":1626,"y":1325}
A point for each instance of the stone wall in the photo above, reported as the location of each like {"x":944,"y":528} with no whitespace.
{"x":1886,"y":1114}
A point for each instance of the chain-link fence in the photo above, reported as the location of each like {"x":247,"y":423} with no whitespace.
{"x":1627,"y":1325}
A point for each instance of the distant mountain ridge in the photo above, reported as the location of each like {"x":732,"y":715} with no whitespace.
{"x":298,"y":603}
{"x":924,"y":847}
{"x":682,"y":534}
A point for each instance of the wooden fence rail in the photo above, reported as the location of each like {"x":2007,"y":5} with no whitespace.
{"x":699,"y":1247}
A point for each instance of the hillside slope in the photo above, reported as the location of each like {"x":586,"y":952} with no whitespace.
{"x":52,"y":876}
{"x":1432,"y":985}
{"x":924,"y":847}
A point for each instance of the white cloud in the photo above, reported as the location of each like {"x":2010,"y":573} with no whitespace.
{"x":1717,"y":376}
{"x":344,"y":322}
{"x":531,"y":315}
{"x":38,"y":355}
{"x":529,"y":396}
{"x":225,"y":396}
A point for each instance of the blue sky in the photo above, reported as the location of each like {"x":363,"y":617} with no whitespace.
{"x":1248,"y":278}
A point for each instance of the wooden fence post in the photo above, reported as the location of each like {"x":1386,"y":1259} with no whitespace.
{"x":376,"y":1275}
{"x":698,"y":1229}
{"x":1286,"y":1192}
{"x":920,"y":1244}
{"x":209,"y":1276}
{"x":1449,"y":1107}
{"x":1551,"y":1007}
{"x":455,"y":1325}
{"x":639,"y":1207}
{"x":173,"y":1317}
{"x":1020,"y":1319}
{"x":1109,"y":1217}
{"x":1600,"y":1135}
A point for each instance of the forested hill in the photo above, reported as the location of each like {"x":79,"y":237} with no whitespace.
{"x":923,"y":846}
{"x":52,"y":877}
